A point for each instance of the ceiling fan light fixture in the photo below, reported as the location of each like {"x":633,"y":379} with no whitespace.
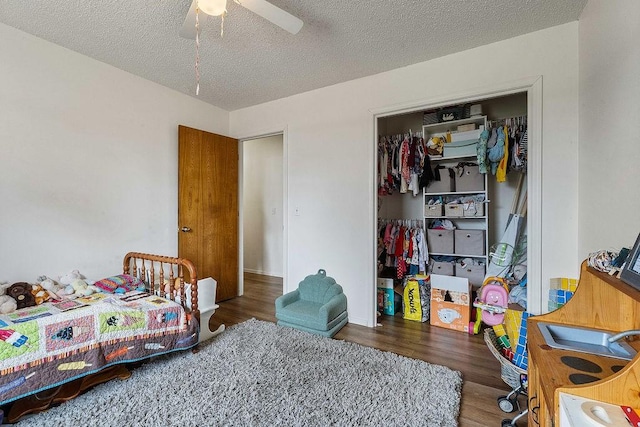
{"x":213,"y":7}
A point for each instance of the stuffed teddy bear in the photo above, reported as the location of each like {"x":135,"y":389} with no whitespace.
{"x":21,"y":292}
{"x":7,"y":303}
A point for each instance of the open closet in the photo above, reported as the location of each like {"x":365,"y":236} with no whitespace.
{"x":443,"y":208}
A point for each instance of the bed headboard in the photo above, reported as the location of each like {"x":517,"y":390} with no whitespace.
{"x":157,"y":270}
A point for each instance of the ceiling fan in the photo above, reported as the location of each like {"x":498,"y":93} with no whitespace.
{"x":271,"y":13}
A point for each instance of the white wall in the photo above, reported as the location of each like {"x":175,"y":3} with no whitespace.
{"x":262,"y":195}
{"x":609,"y":110}
{"x":89,"y":161}
{"x":331,"y":152}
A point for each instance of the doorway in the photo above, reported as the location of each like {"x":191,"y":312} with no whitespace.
{"x":263,"y":216}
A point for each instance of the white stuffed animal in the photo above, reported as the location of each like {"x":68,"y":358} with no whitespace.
{"x":67,"y":281}
{"x":68,"y":278}
{"x":82,"y":289}
{"x":52,"y":287}
{"x":7,"y":303}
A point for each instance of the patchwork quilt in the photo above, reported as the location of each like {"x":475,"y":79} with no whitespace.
{"x":47,"y":345}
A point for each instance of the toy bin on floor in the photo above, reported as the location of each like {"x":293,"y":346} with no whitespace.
{"x":513,"y":376}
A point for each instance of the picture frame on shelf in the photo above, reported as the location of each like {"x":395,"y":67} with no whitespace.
{"x":630,"y":273}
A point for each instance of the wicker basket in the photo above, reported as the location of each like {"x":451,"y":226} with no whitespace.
{"x":509,"y":372}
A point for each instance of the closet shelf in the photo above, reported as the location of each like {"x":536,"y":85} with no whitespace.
{"x":443,"y":158}
{"x":466,"y":181}
{"x":455,"y":217}
{"x":455,"y":193}
{"x":457,"y":255}
{"x":453,"y":124}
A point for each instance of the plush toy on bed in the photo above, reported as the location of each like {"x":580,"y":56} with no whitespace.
{"x":7,"y":303}
{"x":75,"y":286}
{"x":67,"y":279}
{"x":52,"y":287}
{"x":39,"y":293}
{"x":82,"y":289}
{"x":21,"y":292}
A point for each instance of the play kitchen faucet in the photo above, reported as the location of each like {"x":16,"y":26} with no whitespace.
{"x":623,"y":334}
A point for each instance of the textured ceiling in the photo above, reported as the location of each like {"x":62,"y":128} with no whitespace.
{"x":256,"y":61}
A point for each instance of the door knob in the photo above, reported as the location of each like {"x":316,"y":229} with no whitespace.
{"x":185,"y":229}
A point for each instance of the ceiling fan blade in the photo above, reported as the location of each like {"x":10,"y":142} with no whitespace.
{"x":188,"y":30}
{"x":279,"y":17}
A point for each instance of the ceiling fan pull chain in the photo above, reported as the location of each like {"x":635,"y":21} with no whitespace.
{"x":197,"y":49}
{"x":222,"y":24}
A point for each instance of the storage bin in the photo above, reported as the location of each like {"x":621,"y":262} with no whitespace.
{"x":453,"y":209}
{"x":473,"y":209}
{"x":469,"y":242}
{"x":466,"y":135}
{"x":467,"y":127}
{"x":450,"y":113}
{"x":461,"y":148}
{"x":440,"y":241}
{"x":433,"y":211}
{"x":475,"y":273}
{"x":430,"y":117}
{"x":440,"y":267}
{"x":446,"y":183}
{"x":468,"y":178}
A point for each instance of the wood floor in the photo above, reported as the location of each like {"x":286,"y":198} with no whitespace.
{"x":459,"y":351}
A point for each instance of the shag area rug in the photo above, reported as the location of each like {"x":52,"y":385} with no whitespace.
{"x":259,"y":374}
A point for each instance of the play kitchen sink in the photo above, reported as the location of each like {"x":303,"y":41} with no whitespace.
{"x":585,"y":340}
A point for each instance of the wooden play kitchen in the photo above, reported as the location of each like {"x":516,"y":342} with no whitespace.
{"x":603,"y":303}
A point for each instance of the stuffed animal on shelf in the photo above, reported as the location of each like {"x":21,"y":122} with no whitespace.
{"x":7,"y":303}
{"x":21,"y":292}
{"x":435,"y":146}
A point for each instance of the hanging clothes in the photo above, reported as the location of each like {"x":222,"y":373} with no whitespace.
{"x":402,"y":248}
{"x":496,"y":153}
{"x":501,"y":173}
{"x":506,"y":147}
{"x":401,"y":164}
{"x":482,"y":151}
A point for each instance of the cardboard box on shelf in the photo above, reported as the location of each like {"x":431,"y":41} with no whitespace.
{"x":450,"y":302}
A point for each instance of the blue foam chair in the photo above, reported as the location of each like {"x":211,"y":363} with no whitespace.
{"x":318,"y":306}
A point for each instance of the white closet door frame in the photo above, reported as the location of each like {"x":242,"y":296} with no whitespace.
{"x":533,"y":87}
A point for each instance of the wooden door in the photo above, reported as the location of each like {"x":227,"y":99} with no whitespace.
{"x":208,"y":206}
